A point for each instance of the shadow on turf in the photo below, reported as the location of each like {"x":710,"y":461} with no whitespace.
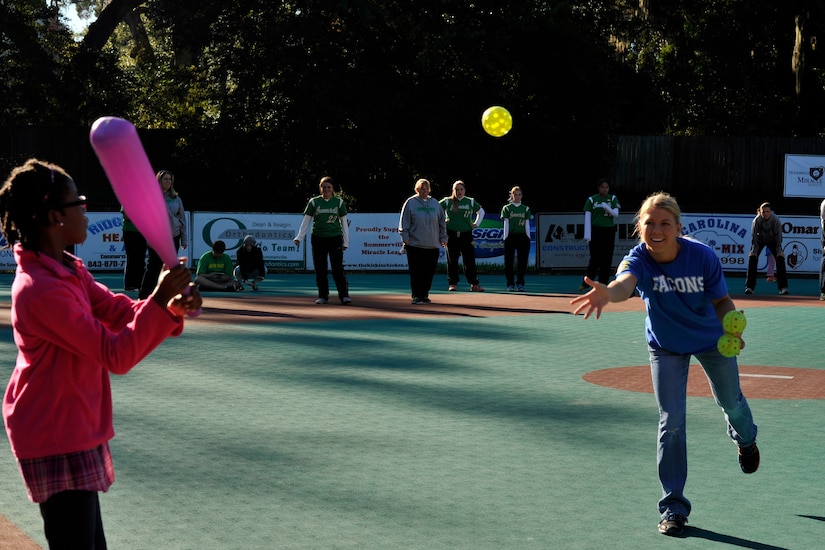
{"x":695,"y":532}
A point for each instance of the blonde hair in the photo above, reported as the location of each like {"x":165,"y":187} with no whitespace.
{"x":172,"y":192}
{"x":452,"y":195}
{"x":420,"y":183}
{"x":660,"y":199}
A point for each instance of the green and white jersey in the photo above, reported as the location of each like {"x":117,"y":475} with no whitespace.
{"x":460,"y":216}
{"x":326,"y":215}
{"x":599,"y":216}
{"x":519,"y":217}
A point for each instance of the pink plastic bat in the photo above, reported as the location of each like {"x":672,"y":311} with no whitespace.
{"x":118,"y":147}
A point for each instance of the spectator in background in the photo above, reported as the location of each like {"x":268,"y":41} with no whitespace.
{"x":250,"y":266}
{"x":177,"y":221}
{"x":766,"y":231}
{"x":600,"y":214}
{"x":215,"y":270}
{"x":134,"y":244}
{"x":822,"y":262}
{"x":423,"y":228}
{"x":330,"y":237}
{"x":516,"y":219}
{"x":463,"y":215}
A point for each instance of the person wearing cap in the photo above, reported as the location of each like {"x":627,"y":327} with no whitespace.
{"x":250,"y":266}
{"x":215,"y":270}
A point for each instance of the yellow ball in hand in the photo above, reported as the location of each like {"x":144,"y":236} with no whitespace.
{"x":729,"y":345}
{"x":496,"y":121}
{"x":734,"y":322}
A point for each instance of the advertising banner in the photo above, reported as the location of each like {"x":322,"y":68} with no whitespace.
{"x":274,"y":233}
{"x":7,"y":263}
{"x":560,"y":240}
{"x":805,"y":176}
{"x":562,"y":244}
{"x":374,"y":244}
{"x":103,"y":248}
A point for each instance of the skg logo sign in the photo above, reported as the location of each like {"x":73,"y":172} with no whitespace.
{"x":816,"y":172}
{"x":795,"y":253}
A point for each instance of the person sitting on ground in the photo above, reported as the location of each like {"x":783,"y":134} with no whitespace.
{"x":251,"y":267}
{"x":215,"y":269}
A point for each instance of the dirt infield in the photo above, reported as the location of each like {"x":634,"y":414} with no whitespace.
{"x":12,"y":538}
{"x":756,"y":382}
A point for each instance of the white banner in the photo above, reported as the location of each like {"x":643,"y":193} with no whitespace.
{"x":805,"y":176}
{"x":562,"y":243}
{"x":274,"y":233}
{"x":374,"y":244}
{"x":103,"y":248}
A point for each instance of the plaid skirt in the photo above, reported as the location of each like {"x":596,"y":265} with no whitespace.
{"x":90,"y":470}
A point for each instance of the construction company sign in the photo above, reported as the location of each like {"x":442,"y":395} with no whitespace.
{"x":805,"y":176}
{"x":561,"y":243}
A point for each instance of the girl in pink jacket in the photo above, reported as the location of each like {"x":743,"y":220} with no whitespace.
{"x":71,"y":332}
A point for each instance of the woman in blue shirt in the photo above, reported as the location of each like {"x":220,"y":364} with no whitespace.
{"x":686,"y":297}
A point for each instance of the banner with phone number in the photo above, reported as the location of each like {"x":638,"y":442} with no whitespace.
{"x":561,"y":243}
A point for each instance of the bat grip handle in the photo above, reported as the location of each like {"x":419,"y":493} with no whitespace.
{"x":197,"y":311}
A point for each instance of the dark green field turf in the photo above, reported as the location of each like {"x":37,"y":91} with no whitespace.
{"x":438,"y":434}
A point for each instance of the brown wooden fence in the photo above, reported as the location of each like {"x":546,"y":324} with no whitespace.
{"x":718,"y":174}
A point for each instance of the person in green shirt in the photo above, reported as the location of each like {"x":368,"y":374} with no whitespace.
{"x":460,"y":210}
{"x":600,"y":213}
{"x":330,"y":237}
{"x":215,"y":269}
{"x":516,"y":219}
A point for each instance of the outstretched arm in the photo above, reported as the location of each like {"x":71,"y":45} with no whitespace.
{"x":600,"y":294}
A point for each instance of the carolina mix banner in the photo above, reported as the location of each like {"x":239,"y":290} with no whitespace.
{"x":561,"y":243}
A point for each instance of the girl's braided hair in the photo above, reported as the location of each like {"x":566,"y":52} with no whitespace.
{"x":27,"y":196}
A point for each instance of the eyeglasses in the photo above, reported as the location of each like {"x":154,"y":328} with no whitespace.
{"x":81,"y":201}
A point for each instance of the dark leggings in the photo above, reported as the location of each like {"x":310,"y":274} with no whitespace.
{"x":71,"y":520}
{"x":153,"y":269}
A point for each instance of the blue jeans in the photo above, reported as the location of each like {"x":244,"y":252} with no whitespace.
{"x":670,"y":374}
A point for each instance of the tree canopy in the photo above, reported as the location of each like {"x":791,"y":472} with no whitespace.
{"x":270,"y":95}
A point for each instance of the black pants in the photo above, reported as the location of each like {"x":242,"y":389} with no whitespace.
{"x":332,"y":248}
{"x":781,"y":274}
{"x":516,"y":244}
{"x":422,"y":263}
{"x":822,"y":269}
{"x":71,"y":520}
{"x":153,"y":268}
{"x":601,"y":253}
{"x":134,"y":245}
{"x":461,"y":244}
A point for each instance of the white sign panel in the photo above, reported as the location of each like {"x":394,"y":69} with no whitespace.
{"x":7,"y":263}
{"x":562,"y":245}
{"x":274,"y":233}
{"x":805,"y":176}
{"x":374,"y":243}
{"x":103,"y":248}
{"x":560,"y":240}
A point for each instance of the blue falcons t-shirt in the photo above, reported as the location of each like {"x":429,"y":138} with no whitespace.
{"x":680,"y":315}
